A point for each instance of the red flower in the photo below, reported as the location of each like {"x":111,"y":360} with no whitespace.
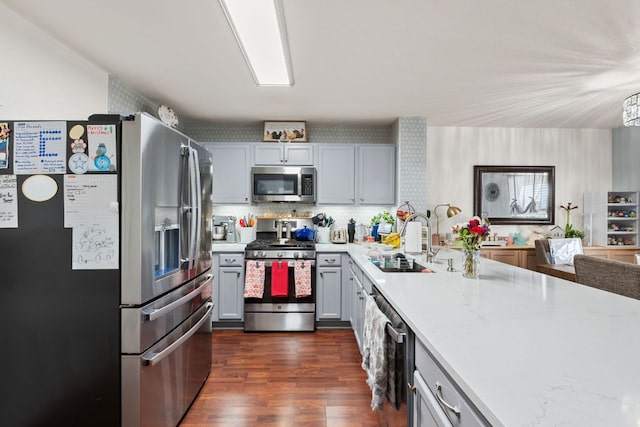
{"x":476,"y":229}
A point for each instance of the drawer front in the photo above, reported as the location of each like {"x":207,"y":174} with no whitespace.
{"x":454,"y":404}
{"x":231,"y":260}
{"x":329,"y":260}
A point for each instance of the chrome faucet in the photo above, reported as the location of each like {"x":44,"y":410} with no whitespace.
{"x":430,"y":253}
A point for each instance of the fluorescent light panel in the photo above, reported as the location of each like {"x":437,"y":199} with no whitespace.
{"x":261,"y":33}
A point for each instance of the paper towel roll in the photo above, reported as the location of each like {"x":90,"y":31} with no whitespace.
{"x":413,"y":237}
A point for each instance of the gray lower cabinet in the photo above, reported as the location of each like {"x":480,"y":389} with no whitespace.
{"x":358,"y":301}
{"x":426,"y":409}
{"x":228,"y":284}
{"x":329,"y":287}
{"x":437,"y":400}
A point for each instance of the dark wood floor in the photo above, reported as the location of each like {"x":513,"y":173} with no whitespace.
{"x":285,"y":379}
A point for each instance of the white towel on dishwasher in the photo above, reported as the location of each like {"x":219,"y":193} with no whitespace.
{"x":374,"y":352}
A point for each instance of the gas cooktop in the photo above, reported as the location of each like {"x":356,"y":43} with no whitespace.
{"x":281,"y":244}
{"x":280,"y":249}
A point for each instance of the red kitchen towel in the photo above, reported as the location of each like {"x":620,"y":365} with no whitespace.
{"x":302,"y":274}
{"x":279,"y":279}
{"x":254,"y":279}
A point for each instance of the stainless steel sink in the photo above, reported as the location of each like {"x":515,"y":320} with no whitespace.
{"x":398,"y":264}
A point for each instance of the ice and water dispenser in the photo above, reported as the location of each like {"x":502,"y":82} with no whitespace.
{"x":167,"y":247}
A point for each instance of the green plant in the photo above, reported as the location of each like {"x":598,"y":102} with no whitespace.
{"x":383,"y":216}
{"x":569,"y":231}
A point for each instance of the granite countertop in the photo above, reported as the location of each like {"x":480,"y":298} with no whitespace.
{"x":526,"y":348}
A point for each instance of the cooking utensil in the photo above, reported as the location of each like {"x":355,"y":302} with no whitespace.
{"x":305,"y":233}
{"x":243,"y":223}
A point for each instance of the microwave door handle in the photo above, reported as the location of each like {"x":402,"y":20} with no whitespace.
{"x":155,"y":358}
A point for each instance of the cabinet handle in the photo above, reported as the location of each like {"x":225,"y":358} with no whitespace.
{"x":453,"y":409}
{"x":352,"y":199}
{"x":331,"y":260}
{"x":361,"y":199}
{"x":229,"y":260}
{"x":411,"y":388}
{"x":237,"y":274}
{"x":321,"y":274}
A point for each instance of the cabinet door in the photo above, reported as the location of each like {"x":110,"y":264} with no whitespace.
{"x":329,"y":298}
{"x":336,"y":174}
{"x":376,"y":175}
{"x":268,"y":154}
{"x":528,"y":259}
{"x":231,"y":164}
{"x":358,"y":308}
{"x":508,"y":256}
{"x":426,"y":410}
{"x":230,"y":293}
{"x":298,"y":155}
{"x":280,"y":154}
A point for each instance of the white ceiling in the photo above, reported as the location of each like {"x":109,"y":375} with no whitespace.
{"x":501,"y":63}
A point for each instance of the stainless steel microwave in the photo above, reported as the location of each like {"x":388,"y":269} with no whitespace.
{"x":283,"y":184}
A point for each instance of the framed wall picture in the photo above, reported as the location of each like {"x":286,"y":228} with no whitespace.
{"x":515,"y":194}
{"x":275,"y":131}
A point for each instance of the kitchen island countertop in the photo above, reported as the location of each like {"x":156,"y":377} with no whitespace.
{"x":526,"y":348}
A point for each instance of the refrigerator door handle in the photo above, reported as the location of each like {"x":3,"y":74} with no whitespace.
{"x":185,"y":209}
{"x":157,"y":357}
{"x":196,"y":204}
{"x":154,"y":314}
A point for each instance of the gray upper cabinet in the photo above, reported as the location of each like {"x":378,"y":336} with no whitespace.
{"x":283,"y":154}
{"x":336,"y":174}
{"x":376,"y":174}
{"x":231,"y":173}
{"x":362,"y":174}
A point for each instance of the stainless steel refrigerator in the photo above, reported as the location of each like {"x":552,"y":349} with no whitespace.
{"x":105,"y":272}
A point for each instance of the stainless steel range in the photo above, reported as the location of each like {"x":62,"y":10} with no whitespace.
{"x":274,"y":249}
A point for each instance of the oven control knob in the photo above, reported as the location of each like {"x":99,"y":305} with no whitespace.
{"x":280,"y":254}
{"x":296,"y":255}
{"x":304,"y":255}
{"x":263,"y":254}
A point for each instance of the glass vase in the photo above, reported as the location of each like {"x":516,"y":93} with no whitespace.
{"x":471,"y":263}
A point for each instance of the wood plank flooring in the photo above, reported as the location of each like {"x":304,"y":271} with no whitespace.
{"x":285,"y":379}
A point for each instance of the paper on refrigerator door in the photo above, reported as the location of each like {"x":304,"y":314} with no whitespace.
{"x":90,"y":209}
{"x":8,"y":201}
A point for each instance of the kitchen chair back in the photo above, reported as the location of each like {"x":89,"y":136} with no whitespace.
{"x":622,"y":278}
{"x":543,"y":254}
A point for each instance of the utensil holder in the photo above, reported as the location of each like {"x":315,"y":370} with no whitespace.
{"x":247,"y":234}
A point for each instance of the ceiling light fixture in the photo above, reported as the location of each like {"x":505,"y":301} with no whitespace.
{"x":631,"y":110}
{"x":260,"y":30}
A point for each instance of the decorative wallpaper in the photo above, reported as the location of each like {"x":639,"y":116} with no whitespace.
{"x":125,"y":101}
{"x":327,"y":133}
{"x":410,"y":134}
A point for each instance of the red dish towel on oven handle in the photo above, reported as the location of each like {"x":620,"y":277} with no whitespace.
{"x":279,"y":279}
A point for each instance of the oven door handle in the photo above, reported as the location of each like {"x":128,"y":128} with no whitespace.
{"x":290,"y":263}
{"x":157,"y":357}
{"x":156,"y":313}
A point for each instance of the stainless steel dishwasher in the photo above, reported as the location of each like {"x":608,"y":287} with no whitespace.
{"x":399,"y":405}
